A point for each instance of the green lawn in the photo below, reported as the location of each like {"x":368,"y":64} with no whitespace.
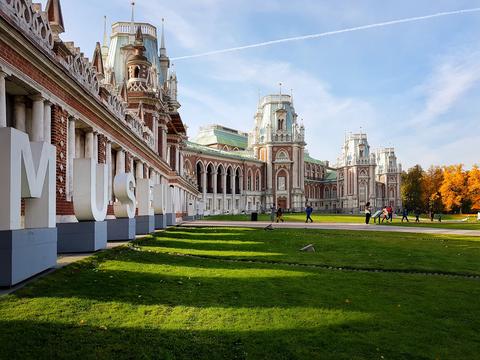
{"x":449,"y":221}
{"x":152,"y":300}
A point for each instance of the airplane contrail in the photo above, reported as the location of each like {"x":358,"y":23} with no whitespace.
{"x":328,"y":33}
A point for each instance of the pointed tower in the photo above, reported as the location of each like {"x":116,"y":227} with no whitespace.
{"x":105,"y":41}
{"x":164,"y":60}
{"x":138,"y":65}
{"x":55,"y":17}
{"x":97,"y":62}
{"x":279,"y":142}
{"x":172,"y":84}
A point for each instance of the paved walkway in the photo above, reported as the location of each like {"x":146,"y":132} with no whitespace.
{"x":335,"y":226}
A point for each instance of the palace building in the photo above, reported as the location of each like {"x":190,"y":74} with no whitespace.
{"x":120,"y":108}
{"x":95,"y":149}
{"x":270,"y":167}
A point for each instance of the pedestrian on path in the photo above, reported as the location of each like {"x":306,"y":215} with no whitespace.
{"x":417,"y":215}
{"x":272,"y":214}
{"x":384,"y":214}
{"x":390,"y":213}
{"x":280,"y":215}
{"x":368,"y":213}
{"x":309,"y":211}
{"x":405,"y":214}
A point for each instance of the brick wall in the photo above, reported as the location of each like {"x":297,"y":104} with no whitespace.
{"x":102,"y":149}
{"x":59,"y":139}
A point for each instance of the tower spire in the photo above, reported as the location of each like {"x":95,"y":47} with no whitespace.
{"x":164,"y":60}
{"x":105,"y":31}
{"x":132,"y":23}
{"x":280,"y":85}
{"x":162,"y":41}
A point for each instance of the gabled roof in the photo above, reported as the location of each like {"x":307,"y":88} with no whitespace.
{"x":54,"y":14}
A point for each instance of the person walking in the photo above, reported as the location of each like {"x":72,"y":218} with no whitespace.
{"x":432,"y":215}
{"x":384,"y":214}
{"x":272,"y":214}
{"x":405,"y":214}
{"x":309,"y":211}
{"x":280,"y":215}
{"x":390,"y":213}
{"x":368,"y":213}
{"x":417,"y":215}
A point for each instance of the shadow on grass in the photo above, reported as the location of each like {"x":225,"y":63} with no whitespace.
{"x":50,"y":340}
{"x":202,"y":244}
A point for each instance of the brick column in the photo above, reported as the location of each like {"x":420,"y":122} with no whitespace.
{"x":60,"y":133}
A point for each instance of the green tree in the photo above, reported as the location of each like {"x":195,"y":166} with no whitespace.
{"x":412,"y":188}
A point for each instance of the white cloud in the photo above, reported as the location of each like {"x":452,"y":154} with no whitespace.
{"x":449,"y":82}
{"x":326,"y":116}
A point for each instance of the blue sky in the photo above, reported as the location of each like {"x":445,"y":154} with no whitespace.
{"x":415,"y":86}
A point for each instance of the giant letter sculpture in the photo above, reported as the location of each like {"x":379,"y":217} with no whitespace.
{"x":28,"y":171}
{"x":90,"y":190}
{"x":159,"y":206}
{"x":123,"y":227}
{"x":90,"y":204}
{"x":145,"y":219}
{"x":123,"y":188}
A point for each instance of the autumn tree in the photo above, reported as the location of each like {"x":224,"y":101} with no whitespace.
{"x":474,"y":188}
{"x":432,"y":180}
{"x":454,"y":188}
{"x":412,"y":188}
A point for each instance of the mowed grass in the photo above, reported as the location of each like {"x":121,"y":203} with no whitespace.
{"x":448,"y":221}
{"x":151,"y":300}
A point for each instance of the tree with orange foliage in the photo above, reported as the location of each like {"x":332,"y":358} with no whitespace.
{"x":431,"y":181}
{"x":454,"y":188}
{"x":474,"y":187}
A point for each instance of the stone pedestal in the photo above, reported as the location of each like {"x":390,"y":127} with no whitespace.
{"x":121,"y":229}
{"x":160,"y":221}
{"x":171,"y":219}
{"x":25,"y":253}
{"x":145,"y":225}
{"x":82,"y":237}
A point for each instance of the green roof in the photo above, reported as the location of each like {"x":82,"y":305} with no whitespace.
{"x":309,"y":159}
{"x":219,"y":135}
{"x":331,"y":175}
{"x":239,"y":155}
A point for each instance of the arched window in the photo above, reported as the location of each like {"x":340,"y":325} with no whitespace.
{"x":249,"y":180}
{"x":220,"y":173}
{"x":199,"y":176}
{"x":136,"y":72}
{"x":210,"y":178}
{"x":257,"y":181}
{"x":282,"y":181}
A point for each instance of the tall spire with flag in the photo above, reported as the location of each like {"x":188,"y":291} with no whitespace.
{"x":132,"y":24}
